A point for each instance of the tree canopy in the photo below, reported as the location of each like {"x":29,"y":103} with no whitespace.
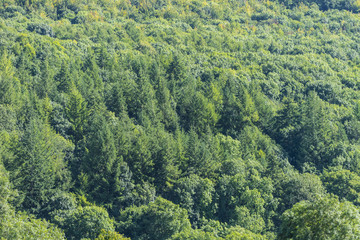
{"x":201,"y":119}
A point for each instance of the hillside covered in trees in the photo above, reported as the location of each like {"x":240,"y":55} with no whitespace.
{"x":179,"y":119}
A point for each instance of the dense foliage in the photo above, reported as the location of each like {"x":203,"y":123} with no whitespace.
{"x":153,"y":119}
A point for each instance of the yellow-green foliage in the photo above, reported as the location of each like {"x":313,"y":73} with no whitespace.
{"x":167,"y":116}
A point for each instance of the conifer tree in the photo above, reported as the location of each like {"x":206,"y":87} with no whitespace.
{"x":38,"y":169}
{"x":63,"y":79}
{"x":239,"y":109}
{"x":101,"y":164}
{"x":77,"y":114}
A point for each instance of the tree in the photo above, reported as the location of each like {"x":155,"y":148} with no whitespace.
{"x":295,"y":187}
{"x":86,"y":222}
{"x":239,"y":109}
{"x":147,"y":111}
{"x":91,"y":69}
{"x":201,"y":154}
{"x":287,"y":125}
{"x":196,"y":112}
{"x":100,"y":163}
{"x":9,"y":84}
{"x":6,"y":193}
{"x":177,"y":72}
{"x":110,"y":235}
{"x":239,"y":233}
{"x":19,"y":225}
{"x":45,"y":84}
{"x":63,"y":79}
{"x":325,"y":218}
{"x":343,"y":183}
{"x":246,"y":199}
{"x":231,"y":233}
{"x":38,"y":169}
{"x":164,"y":171}
{"x":77,"y":114}
{"x":166,"y":102}
{"x":195,"y":195}
{"x":115,"y":100}
{"x":320,"y":137}
{"x":194,"y":235}
{"x":159,"y":220}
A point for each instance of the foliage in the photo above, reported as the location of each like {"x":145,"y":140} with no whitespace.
{"x":19,"y":225}
{"x":108,"y":235}
{"x":343,"y":183}
{"x":177,"y":119}
{"x":326,"y":218}
{"x":159,"y":220}
{"x":86,"y":222}
{"x":38,"y":168}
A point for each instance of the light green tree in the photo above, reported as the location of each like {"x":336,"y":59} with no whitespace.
{"x":85,"y":222}
{"x":110,"y":235}
{"x":159,"y":220}
{"x":325,"y":218}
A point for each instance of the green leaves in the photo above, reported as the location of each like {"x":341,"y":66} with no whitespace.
{"x":5,"y":192}
{"x":235,"y":110}
{"x":110,"y":235}
{"x":38,"y":169}
{"x":325,"y":218}
{"x":19,"y":225}
{"x":195,"y":195}
{"x":158,"y":220}
{"x":87,"y":222}
{"x":344,"y":184}
{"x":77,"y":113}
{"x":100,"y":163}
{"x":239,"y":109}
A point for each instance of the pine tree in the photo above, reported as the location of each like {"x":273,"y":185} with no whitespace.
{"x":9,"y":84}
{"x":63,"y":79}
{"x":321,"y":137}
{"x":38,"y":169}
{"x":115,"y":100}
{"x":239,"y":109}
{"x":77,"y":114}
{"x":100,"y":164}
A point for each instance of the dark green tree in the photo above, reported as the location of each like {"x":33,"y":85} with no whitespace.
{"x":320,"y":137}
{"x":39,"y":169}
{"x":110,"y":235}
{"x":9,"y":84}
{"x":63,"y":79}
{"x":77,"y":114}
{"x":295,"y":187}
{"x":238,"y":109}
{"x":343,"y":183}
{"x":100,"y":165}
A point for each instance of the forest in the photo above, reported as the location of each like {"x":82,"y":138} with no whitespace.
{"x":180,"y":119}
